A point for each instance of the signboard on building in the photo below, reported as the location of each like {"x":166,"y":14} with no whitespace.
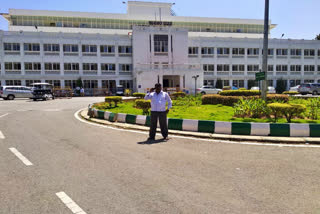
{"x":160,"y":23}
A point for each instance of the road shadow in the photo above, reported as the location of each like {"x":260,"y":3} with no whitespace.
{"x":150,"y":142}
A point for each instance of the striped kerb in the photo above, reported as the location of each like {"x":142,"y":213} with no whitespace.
{"x":222,"y":127}
{"x":148,"y":121}
{"x":121,"y":118}
{"x":130,"y":118}
{"x":141,"y":119}
{"x":95,"y":111}
{"x":279,"y":130}
{"x":260,"y":129}
{"x":299,"y":130}
{"x":206,"y":126}
{"x":112,"y":117}
{"x":175,"y":124}
{"x":314,"y":130}
{"x":241,"y":128}
{"x":190,"y":125}
{"x":106,"y":115}
{"x":100,"y":114}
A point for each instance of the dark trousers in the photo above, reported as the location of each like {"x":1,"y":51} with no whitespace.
{"x":162,"y":115}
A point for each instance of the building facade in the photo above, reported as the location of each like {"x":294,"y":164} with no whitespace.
{"x":148,"y":44}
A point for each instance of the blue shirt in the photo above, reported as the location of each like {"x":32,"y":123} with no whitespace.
{"x":159,"y":101}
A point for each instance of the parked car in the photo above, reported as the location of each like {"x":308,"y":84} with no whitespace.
{"x":42,"y":91}
{"x":120,"y":90}
{"x":208,"y":90}
{"x":271,"y":90}
{"x":12,"y":92}
{"x":309,"y":88}
{"x":295,"y":88}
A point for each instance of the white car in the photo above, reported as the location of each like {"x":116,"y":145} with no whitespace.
{"x":295,"y":88}
{"x":271,"y":90}
{"x":208,"y":90}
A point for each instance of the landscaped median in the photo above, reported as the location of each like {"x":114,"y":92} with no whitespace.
{"x":217,"y":127}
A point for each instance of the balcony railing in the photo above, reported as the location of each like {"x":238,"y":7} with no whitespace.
{"x":13,"y":72}
{"x":167,"y":67}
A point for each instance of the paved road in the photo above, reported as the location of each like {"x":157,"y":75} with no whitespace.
{"x":98,"y":170}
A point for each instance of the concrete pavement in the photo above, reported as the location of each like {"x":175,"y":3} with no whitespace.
{"x":113,"y":171}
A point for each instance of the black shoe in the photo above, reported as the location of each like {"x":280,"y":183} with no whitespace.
{"x":150,"y":138}
{"x":165,"y":138}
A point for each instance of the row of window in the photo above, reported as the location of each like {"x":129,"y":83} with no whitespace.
{"x":226,"y":67}
{"x":111,"y":84}
{"x":35,"y":47}
{"x":34,"y":66}
{"x":251,"y":51}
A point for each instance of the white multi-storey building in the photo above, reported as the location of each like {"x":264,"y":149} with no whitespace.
{"x":148,"y":44}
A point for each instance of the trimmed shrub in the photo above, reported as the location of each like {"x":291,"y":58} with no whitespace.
{"x":314,"y":108}
{"x":290,"y":92}
{"x":178,"y":94}
{"x":245,"y":93}
{"x":145,"y":105}
{"x":139,"y":95}
{"x":255,"y":108}
{"x":287,"y":110}
{"x":277,"y":98}
{"x":113,"y":99}
{"x":242,"y":89}
{"x":215,"y":99}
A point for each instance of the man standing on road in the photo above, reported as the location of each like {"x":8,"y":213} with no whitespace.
{"x":158,"y":110}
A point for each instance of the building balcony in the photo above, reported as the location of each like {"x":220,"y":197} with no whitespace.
{"x":71,"y":72}
{"x":51,"y":53}
{"x":13,"y":72}
{"x":108,"y":73}
{"x":31,"y":52}
{"x":167,"y":67}
{"x":12,"y":52}
{"x":89,"y":73}
{"x":125,"y":73}
{"x":33,"y":72}
{"x":52,"y":72}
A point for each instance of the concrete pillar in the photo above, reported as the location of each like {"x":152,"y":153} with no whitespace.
{"x":99,"y":83}
{"x":181,"y":82}
{"x":246,"y":84}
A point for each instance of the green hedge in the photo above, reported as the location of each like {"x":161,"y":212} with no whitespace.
{"x":241,"y":92}
{"x":145,"y":105}
{"x":287,"y":110}
{"x":215,"y":99}
{"x":178,"y":94}
{"x":113,"y":99}
{"x":139,"y":95}
{"x":290,"y":92}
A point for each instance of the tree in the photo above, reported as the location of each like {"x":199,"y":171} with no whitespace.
{"x":281,"y":86}
{"x":219,"y":83}
{"x":318,"y":37}
{"x":79,"y":82}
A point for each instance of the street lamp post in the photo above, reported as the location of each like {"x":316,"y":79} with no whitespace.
{"x":265,"y":51}
{"x":195,"y":84}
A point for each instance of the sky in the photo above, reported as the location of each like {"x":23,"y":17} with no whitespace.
{"x":296,"y":19}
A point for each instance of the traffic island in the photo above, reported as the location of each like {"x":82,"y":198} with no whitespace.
{"x":234,"y":131}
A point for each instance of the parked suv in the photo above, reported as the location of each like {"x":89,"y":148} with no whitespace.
{"x":309,"y":88}
{"x":12,"y":92}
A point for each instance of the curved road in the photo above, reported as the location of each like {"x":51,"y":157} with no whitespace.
{"x":81,"y":168}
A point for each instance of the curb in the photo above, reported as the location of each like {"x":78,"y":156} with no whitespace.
{"x":142,"y":122}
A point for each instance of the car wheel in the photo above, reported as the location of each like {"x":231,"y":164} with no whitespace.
{"x":34,"y":99}
{"x":203,"y":93}
{"x":4,"y":98}
{"x":314,"y":93}
{"x":10,"y":97}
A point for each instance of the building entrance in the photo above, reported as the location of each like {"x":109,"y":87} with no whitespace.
{"x":171,"y":81}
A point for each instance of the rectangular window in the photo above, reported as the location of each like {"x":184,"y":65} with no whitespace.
{"x":253,"y":51}
{"x":193,"y":50}
{"x":107,"y":49}
{"x":12,"y":65}
{"x":51,"y":47}
{"x":125,"y":49}
{"x":125,"y":67}
{"x":308,"y":67}
{"x":89,"y":48}
{"x":71,"y":66}
{"x":108,"y":67}
{"x":270,"y":67}
{"x":70,"y":48}
{"x":223,"y":51}
{"x":35,"y":47}
{"x":309,"y":52}
{"x":11,"y":47}
{"x":282,"y":52}
{"x":70,"y":83}
{"x":207,"y":51}
{"x":13,"y":82}
{"x":90,"y":66}
{"x":208,"y":67}
{"x":237,"y":67}
{"x":238,"y":51}
{"x":32,"y":66}
{"x":223,"y":67}
{"x":295,"y":52}
{"x":252,"y":67}
{"x":160,"y":43}
{"x":282,"y":68}
{"x":52,"y":66}
{"x":295,"y":67}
